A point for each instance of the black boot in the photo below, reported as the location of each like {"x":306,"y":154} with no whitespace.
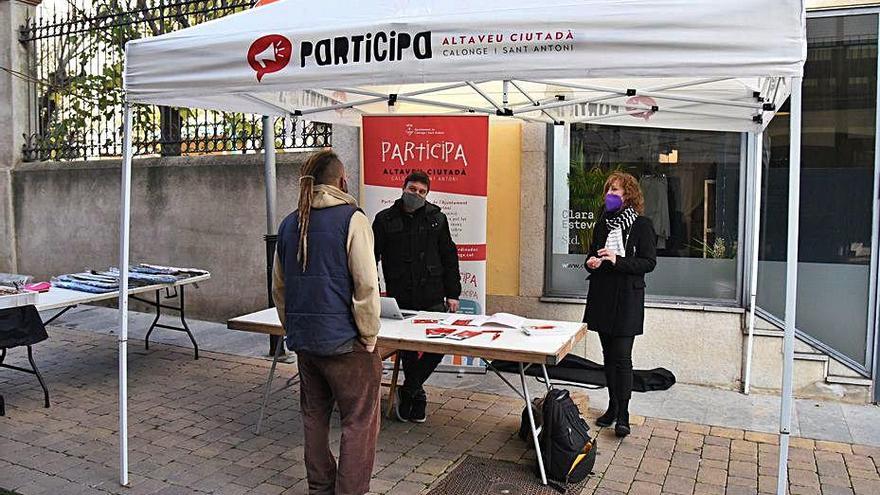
{"x":418,"y":404}
{"x":621,"y":429}
{"x":606,"y":419}
{"x":403,"y":406}
{"x":610,"y":415}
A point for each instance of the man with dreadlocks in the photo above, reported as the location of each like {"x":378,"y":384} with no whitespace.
{"x":326,"y":291}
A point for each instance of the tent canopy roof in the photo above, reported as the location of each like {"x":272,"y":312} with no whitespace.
{"x":706,"y":64}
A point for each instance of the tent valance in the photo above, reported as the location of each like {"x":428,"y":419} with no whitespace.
{"x":704,"y":64}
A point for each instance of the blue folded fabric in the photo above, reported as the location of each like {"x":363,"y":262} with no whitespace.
{"x":152,"y":270}
{"x":143,"y":277}
{"x":176,"y":270}
{"x":90,"y":280}
{"x":81,"y":287}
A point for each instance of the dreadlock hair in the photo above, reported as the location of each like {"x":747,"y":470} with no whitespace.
{"x":323,"y":167}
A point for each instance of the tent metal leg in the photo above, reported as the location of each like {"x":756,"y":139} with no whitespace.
{"x":794,"y":173}
{"x":757,"y":156}
{"x":122,"y":340}
{"x":271,"y":237}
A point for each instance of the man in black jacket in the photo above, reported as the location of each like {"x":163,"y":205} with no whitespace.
{"x":420,"y":265}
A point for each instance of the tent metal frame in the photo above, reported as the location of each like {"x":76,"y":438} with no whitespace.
{"x":763,"y":101}
{"x":771,"y":85}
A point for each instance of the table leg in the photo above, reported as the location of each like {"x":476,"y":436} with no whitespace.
{"x":546,"y":378}
{"x":186,"y":329}
{"x":534,"y":428}
{"x":179,"y":292}
{"x":158,"y":306}
{"x":292,"y":380}
{"x":268,"y":388}
{"x":33,"y":371}
{"x":39,"y":376}
{"x":392,"y":388}
{"x":504,"y":379}
{"x":58,"y":314}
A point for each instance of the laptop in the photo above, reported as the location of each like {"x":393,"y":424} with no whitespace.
{"x":391,"y":311}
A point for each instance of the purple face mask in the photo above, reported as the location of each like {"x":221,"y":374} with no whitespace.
{"x":613,"y":202}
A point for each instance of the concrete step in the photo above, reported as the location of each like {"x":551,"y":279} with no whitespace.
{"x":848,"y":380}
{"x":813,"y":375}
{"x":835,"y":372}
{"x":811,"y":356}
{"x":836,"y":368}
{"x":765,"y":332}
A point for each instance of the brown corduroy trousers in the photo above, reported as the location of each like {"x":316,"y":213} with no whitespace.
{"x":351,"y":381}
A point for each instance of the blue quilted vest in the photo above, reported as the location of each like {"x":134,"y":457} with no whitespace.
{"x":318,"y":317}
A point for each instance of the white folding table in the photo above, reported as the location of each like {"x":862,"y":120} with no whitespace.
{"x":66,"y":299}
{"x":61,"y":299}
{"x":543,"y":347}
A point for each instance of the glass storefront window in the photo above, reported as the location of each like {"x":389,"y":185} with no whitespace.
{"x":691,"y":184}
{"x":837,"y":184}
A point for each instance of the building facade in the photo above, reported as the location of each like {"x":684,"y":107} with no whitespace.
{"x":698,"y":196}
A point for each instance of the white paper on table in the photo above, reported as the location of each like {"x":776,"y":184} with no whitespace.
{"x":542,"y":331}
{"x":498,"y":320}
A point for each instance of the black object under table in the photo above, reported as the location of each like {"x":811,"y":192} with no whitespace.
{"x":22,"y":326}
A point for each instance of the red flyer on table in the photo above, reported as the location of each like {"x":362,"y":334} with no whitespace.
{"x":425,"y":322}
{"x":465,"y":334}
{"x":462,"y":322}
{"x":438,"y":333}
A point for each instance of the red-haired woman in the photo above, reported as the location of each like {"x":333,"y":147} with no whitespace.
{"x":622,"y":251}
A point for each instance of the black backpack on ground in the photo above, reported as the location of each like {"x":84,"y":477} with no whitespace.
{"x":568,"y":451}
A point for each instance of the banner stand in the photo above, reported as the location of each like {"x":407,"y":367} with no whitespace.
{"x":454,"y":151}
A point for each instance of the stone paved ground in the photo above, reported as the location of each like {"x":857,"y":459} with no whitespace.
{"x":191,"y":430}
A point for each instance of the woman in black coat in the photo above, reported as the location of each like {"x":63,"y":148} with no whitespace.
{"x":622,"y":251}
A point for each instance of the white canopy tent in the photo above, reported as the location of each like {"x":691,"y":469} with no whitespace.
{"x":723,"y":65}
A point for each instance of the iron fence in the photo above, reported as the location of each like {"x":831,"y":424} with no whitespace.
{"x":75,"y":50}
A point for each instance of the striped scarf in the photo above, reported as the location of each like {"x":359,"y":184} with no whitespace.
{"x":617,"y":225}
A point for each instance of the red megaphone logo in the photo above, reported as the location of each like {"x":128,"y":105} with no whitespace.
{"x":268,"y":54}
{"x":644,"y":101}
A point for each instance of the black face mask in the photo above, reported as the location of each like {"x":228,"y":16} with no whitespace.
{"x":412,"y":202}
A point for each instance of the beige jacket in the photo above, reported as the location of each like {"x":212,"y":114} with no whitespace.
{"x":361,"y":263}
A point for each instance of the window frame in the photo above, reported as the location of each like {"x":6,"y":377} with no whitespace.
{"x":549,"y":295}
{"x":871,"y":367}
